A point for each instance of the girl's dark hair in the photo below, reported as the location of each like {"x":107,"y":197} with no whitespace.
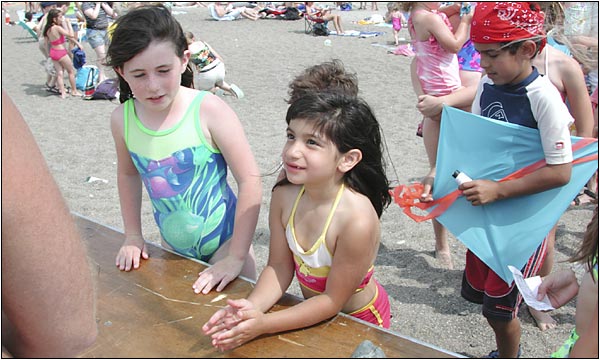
{"x":589,"y":246}
{"x":327,"y":76}
{"x":350,"y":124}
{"x":134,"y":32}
{"x":52,"y":14}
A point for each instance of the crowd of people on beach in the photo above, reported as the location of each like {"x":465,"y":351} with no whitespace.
{"x":528,"y":64}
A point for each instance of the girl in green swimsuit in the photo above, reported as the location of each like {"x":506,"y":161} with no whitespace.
{"x":180,"y":143}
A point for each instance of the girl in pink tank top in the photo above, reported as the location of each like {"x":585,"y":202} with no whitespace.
{"x":435,"y":71}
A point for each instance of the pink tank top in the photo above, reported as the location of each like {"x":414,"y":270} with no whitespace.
{"x":437,"y":68}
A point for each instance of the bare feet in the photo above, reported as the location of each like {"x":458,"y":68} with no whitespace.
{"x":444,"y":259}
{"x":543,"y":319}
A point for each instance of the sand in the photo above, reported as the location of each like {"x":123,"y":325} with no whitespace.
{"x":261,"y":58}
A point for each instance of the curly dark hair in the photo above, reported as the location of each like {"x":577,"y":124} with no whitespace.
{"x":329,"y":76}
{"x":589,"y":247}
{"x":350,"y":124}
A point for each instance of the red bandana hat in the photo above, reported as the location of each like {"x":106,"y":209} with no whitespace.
{"x":499,"y":22}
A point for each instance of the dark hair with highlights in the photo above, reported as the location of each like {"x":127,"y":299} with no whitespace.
{"x":350,"y":124}
{"x":135,"y":31}
{"x":330,"y":76}
{"x":589,"y":246}
{"x":53,"y":14}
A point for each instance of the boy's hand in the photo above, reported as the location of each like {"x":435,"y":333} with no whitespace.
{"x":222,"y":272}
{"x":480,"y":192}
{"x":129,"y":254}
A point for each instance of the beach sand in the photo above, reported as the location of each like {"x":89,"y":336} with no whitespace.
{"x":261,"y":58}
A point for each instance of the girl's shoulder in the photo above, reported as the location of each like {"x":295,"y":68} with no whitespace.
{"x":284,"y":196}
{"x":355,"y":211}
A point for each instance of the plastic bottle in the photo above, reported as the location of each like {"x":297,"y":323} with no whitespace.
{"x":465,"y":8}
{"x":460,"y":177}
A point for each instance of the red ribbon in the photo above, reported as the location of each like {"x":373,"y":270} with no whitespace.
{"x":408,"y":196}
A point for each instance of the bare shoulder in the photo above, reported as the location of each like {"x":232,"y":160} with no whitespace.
{"x":117,"y":119}
{"x":356,"y":214}
{"x":282,"y":200}
{"x":215,"y":112}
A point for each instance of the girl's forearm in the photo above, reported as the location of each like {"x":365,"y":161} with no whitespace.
{"x":246,"y":217}
{"x":271,"y":286}
{"x":307,"y":313}
{"x":130,"y":196}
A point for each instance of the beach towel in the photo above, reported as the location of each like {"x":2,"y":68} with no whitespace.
{"x":356,"y":33}
{"x":404,"y":49}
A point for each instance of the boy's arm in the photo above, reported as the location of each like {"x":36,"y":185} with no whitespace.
{"x":481,"y":192}
{"x":553,"y":118}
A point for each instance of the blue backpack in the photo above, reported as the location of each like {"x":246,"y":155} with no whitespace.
{"x":87,"y":79}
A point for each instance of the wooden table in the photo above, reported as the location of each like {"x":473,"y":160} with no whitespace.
{"x":153,"y":312}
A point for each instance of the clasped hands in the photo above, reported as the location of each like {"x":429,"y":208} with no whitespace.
{"x":234,"y":325}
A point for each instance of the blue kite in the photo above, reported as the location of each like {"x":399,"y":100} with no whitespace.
{"x":505,"y":232}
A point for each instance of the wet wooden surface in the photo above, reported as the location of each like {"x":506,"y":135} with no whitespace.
{"x":153,"y":312}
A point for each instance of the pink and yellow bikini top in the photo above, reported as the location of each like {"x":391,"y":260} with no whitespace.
{"x":312,"y":266}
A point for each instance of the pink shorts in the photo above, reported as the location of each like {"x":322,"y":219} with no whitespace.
{"x":377,"y":311}
{"x":57,"y":54}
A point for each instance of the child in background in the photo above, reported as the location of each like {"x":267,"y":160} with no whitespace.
{"x":562,"y":286}
{"x":324,"y":224}
{"x":435,"y":71}
{"x":55,"y":35}
{"x":397,"y":20}
{"x":513,"y":91}
{"x":29,"y":21}
{"x":180,"y":142}
{"x":209,"y":68}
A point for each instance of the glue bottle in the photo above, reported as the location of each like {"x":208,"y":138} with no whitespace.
{"x":460,"y":177}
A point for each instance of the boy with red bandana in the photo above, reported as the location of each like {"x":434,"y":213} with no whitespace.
{"x":508,"y":35}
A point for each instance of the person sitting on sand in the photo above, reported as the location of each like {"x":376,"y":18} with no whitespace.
{"x":229,"y":12}
{"x":325,"y":14}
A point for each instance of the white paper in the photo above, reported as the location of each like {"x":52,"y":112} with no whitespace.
{"x":529,"y":289}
